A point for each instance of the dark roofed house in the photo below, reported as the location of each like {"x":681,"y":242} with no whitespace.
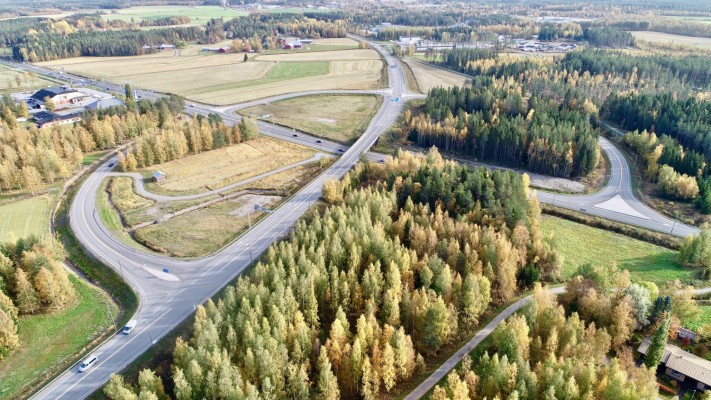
{"x":59,"y":95}
{"x":159,"y":176}
{"x":45,"y":118}
{"x":680,"y":365}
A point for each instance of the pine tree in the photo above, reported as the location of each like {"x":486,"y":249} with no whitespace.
{"x":658,"y":343}
{"x":327,"y":383}
{"x":27,"y":299}
{"x":9,"y":340}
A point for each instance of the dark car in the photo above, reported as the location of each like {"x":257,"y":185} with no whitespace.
{"x":319,"y":141}
{"x":341,"y":150}
{"x":295,"y":135}
{"x":111,"y":165}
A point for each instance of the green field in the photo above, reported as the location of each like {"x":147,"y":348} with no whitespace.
{"x":337,"y":117}
{"x":704,"y":319}
{"x":281,"y":71}
{"x":26,"y":217}
{"x":198,"y":15}
{"x":580,"y":244}
{"x":48,"y":339}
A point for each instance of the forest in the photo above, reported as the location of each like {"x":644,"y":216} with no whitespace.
{"x":406,"y":259}
{"x":684,"y":126}
{"x":491,"y":121}
{"x":32,"y":280}
{"x":30,"y":157}
{"x":576,"y":345}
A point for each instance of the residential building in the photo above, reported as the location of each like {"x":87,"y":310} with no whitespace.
{"x":682,"y":365}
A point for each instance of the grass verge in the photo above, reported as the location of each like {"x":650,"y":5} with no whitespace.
{"x":580,"y":244}
{"x":49,"y":341}
{"x":342,"y":118}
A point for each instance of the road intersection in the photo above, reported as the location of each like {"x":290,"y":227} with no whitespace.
{"x":167,"y":298}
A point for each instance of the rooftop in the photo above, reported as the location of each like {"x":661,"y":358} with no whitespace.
{"x":684,"y":362}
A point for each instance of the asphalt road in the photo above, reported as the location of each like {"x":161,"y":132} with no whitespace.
{"x":167,"y":298}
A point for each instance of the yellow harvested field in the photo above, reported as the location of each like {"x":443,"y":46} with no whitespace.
{"x":217,"y":168}
{"x":658,"y":37}
{"x":336,"y":42}
{"x":224,"y":79}
{"x":342,"y":75}
{"x":337,"y":55}
{"x":428,"y":76}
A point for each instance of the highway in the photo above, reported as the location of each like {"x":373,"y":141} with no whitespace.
{"x":167,"y":298}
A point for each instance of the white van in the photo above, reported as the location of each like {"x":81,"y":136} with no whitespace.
{"x":91,"y":360}
{"x":129,"y":326}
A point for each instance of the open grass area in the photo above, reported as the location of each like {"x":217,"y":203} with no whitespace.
{"x":342,"y":118}
{"x":198,"y":15}
{"x":659,"y":37}
{"x":703,"y":321}
{"x":429,"y":76}
{"x":202,"y":226}
{"x":26,"y":217}
{"x":9,"y":82}
{"x":580,"y":244}
{"x":48,"y":339}
{"x":226,"y":78}
{"x":91,"y":157}
{"x":275,"y":72}
{"x":217,"y":168}
{"x":205,"y":230}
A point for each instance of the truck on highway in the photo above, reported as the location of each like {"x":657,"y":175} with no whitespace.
{"x":129,"y":326}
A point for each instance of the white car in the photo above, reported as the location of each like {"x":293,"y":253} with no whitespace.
{"x":91,"y":360}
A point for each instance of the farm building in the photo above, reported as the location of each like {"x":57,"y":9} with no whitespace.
{"x":47,"y":119}
{"x":159,"y":176}
{"x":681,"y":365}
{"x":293,"y":45}
{"x":59,"y":95}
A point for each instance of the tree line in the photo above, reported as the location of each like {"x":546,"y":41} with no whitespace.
{"x":32,"y":280}
{"x":362,"y":292}
{"x":271,"y":26}
{"x":492,"y":122}
{"x":173,"y":140}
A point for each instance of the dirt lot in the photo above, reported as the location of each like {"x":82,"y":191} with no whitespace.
{"x":428,"y":76}
{"x":340,"y":118}
{"x":217,"y":168}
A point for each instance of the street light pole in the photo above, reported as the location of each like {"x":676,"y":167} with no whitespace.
{"x":672,"y":229}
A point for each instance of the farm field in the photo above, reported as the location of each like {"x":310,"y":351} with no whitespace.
{"x":658,"y":37}
{"x":198,"y":15}
{"x":428,"y":76}
{"x":26,"y":217}
{"x":645,"y":261}
{"x":223,"y":79}
{"x":217,"y":168}
{"x":341,"y":118}
{"x":8,"y":81}
{"x":48,"y":339}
